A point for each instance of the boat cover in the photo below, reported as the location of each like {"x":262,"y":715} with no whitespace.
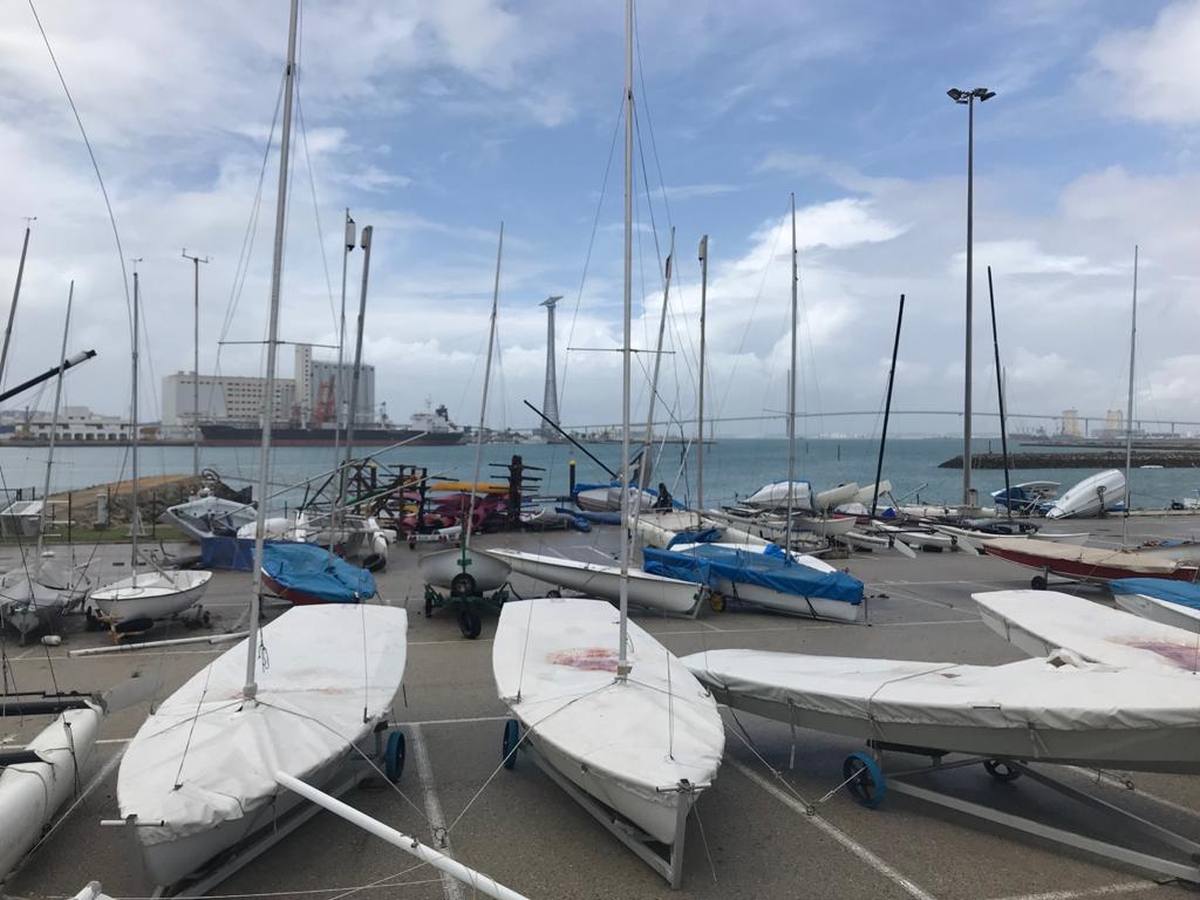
{"x":1040,"y":621}
{"x":206,"y":756}
{"x":313,"y":570}
{"x":1151,"y":562}
{"x":709,"y":563}
{"x":1183,"y":593}
{"x":955,"y":702}
{"x":555,"y":662}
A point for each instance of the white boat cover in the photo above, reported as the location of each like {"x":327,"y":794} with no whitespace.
{"x":1161,"y":562}
{"x":965,"y":708}
{"x":775,"y":495}
{"x":1040,"y":621}
{"x":555,"y":663}
{"x":309,"y":710}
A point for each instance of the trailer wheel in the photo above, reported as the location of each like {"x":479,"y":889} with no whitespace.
{"x":428,"y":607}
{"x":470,"y":624}
{"x":394,"y":756}
{"x":865,"y":779}
{"x":512,"y":738}
{"x":1038,"y":582}
{"x":1001,"y":770}
{"x":717,"y":602}
{"x":375,"y":562}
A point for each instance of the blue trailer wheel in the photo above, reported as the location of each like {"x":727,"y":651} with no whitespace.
{"x":865,"y":779}
{"x":512,"y":737}
{"x":393,"y":756}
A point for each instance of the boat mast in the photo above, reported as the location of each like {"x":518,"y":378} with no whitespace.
{"x":623,"y":665}
{"x":887,"y":408}
{"x":1000,"y":394}
{"x":648,"y":443}
{"x":700,"y":411}
{"x":1129,"y":406}
{"x":367,"y":232}
{"x":134,"y":514}
{"x":791,"y":432}
{"x":196,"y":260}
{"x":264,"y":458}
{"x":351,"y":238}
{"x":464,"y":560}
{"x":12,"y":310}
{"x":62,"y":367}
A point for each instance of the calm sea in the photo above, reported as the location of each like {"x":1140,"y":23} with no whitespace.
{"x":732,"y":467}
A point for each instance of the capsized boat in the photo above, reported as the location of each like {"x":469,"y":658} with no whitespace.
{"x":1093,"y":496}
{"x":603,"y":581}
{"x":1095,"y":564}
{"x":305,"y":573}
{"x":645,"y":746}
{"x":199,"y":775}
{"x":1175,"y":603}
{"x":1057,"y":709}
{"x":775,"y":495}
{"x":1037,"y":622}
{"x":147,"y":596}
{"x":769,"y":579}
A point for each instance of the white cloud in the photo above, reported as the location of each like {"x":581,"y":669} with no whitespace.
{"x":1152,"y":72}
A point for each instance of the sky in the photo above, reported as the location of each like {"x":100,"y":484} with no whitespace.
{"x":435,"y":120}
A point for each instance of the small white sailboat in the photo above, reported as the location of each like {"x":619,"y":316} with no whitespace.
{"x":597,"y":580}
{"x":40,"y":590}
{"x":610,"y":714}
{"x":1056,"y":709}
{"x":143,"y":596}
{"x":556,"y":665}
{"x":200,"y":778}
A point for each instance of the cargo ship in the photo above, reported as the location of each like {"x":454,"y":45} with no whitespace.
{"x":425,"y":429}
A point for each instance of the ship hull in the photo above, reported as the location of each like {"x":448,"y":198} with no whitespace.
{"x":286,"y":436}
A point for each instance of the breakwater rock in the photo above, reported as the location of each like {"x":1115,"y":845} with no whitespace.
{"x":1114,"y":459}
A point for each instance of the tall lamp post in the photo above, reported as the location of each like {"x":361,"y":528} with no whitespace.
{"x":967,"y":99}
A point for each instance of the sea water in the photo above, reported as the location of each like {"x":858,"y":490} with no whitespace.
{"x":733,"y":467}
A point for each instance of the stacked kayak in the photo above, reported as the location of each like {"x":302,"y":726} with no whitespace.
{"x":306,"y":573}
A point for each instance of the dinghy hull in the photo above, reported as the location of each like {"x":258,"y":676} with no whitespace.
{"x":157,"y":595}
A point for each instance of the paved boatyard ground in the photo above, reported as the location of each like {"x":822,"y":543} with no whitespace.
{"x":750,"y":836}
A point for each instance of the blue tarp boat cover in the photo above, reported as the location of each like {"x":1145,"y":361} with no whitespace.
{"x":704,"y":536}
{"x":708,"y":564}
{"x":1182,"y":592}
{"x":315,"y":571}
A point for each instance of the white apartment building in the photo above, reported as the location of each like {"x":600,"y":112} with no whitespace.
{"x":310,"y":394}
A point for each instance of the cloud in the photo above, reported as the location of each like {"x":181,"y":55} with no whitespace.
{"x":1151,"y":73}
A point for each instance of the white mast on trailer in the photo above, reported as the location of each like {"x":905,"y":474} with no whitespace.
{"x":264,"y":458}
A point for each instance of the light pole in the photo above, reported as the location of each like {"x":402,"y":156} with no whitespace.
{"x":967,"y":99}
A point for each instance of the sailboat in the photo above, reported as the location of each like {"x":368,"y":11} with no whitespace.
{"x":201,"y":778}
{"x":606,"y":711}
{"x":772,"y":577}
{"x":38,"y":592}
{"x":143,"y":597}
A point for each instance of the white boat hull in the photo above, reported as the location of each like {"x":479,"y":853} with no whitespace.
{"x":593,"y":579}
{"x":148,"y":595}
{"x":1090,"y":497}
{"x":1163,"y":611}
{"x":1033,"y":710}
{"x":642,"y":746}
{"x":31,"y":793}
{"x":440,"y":567}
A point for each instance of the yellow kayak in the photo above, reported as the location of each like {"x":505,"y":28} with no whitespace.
{"x":482,"y":487}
